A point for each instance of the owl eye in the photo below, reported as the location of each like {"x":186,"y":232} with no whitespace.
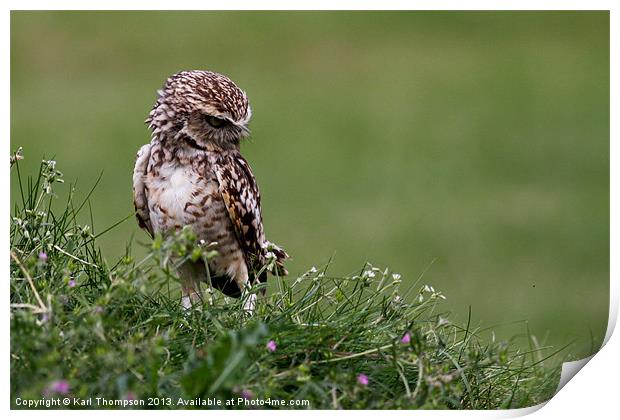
{"x":215,"y":121}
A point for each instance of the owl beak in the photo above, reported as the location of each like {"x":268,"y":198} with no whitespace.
{"x":243,"y":131}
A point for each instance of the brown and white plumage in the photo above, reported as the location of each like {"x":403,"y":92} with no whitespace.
{"x":192,"y":173}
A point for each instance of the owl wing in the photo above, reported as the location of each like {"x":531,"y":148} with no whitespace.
{"x":240,"y":193}
{"x":140,"y":202}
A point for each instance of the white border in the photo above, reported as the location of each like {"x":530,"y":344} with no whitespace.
{"x":594,"y":390}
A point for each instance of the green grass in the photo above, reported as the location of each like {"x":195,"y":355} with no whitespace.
{"x":84,"y":328}
{"x":471,"y":146}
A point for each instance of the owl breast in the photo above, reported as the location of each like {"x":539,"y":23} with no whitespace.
{"x":178,"y":197}
{"x":187,"y":193}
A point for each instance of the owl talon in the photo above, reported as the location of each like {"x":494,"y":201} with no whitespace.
{"x":191,"y":300}
{"x":249,"y":304}
{"x":186,"y":303}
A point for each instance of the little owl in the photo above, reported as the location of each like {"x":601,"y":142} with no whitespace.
{"x":192,"y":174}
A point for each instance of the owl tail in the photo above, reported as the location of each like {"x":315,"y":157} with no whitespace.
{"x":275,"y":257}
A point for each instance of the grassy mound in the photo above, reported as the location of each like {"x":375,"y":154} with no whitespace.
{"x":114,"y":335}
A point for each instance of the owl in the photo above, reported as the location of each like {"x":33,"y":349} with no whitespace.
{"x":193,"y":174}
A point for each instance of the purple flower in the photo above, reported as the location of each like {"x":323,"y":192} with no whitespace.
{"x":271,"y":346}
{"x":247,"y":394}
{"x":362,"y":379}
{"x":59,"y":387}
{"x":406,"y":338}
{"x":72,"y":283}
{"x":42,"y":256}
{"x":98,"y":309}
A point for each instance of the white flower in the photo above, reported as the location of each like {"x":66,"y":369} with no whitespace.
{"x":369,"y":274}
{"x":396,"y":276}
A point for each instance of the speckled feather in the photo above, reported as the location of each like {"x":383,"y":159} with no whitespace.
{"x":242,"y":198}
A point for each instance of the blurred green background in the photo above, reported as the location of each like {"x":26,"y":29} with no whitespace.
{"x":477,"y":140}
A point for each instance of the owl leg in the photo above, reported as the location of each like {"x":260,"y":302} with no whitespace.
{"x":191,"y":275}
{"x":241,"y":277}
{"x":250,"y":302}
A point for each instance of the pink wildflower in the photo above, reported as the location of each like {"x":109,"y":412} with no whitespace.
{"x":72,"y":283}
{"x":406,"y":338}
{"x":59,"y":387}
{"x":362,"y":379}
{"x":271,"y":346}
{"x":42,"y":256}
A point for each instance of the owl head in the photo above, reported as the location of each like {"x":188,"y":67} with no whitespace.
{"x":201,"y":108}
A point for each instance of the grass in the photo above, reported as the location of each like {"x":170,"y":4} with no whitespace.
{"x":84,"y":328}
